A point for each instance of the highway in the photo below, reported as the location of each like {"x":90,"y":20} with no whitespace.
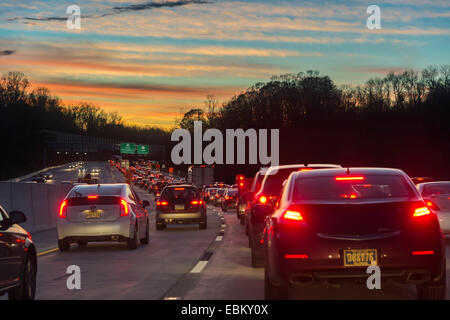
{"x":181,"y":262}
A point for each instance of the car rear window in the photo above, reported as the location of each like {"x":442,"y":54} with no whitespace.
{"x":370,"y":187}
{"x":257,"y":182}
{"x":436,"y":189}
{"x":232,"y":192}
{"x":85,"y":191}
{"x":171,"y":194}
{"x":273,"y":183}
{"x":221,"y":191}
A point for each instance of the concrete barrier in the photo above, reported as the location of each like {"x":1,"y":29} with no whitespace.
{"x":39,"y":202}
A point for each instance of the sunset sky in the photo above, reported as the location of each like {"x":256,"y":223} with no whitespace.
{"x":151,"y":60}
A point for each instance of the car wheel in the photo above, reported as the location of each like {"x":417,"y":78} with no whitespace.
{"x":433,"y":291}
{"x":132,"y":243}
{"x":160,"y":226}
{"x":27,"y":289}
{"x":257,"y":257}
{"x":147,"y":235}
{"x":272,"y":292}
{"x":63,"y":245}
{"x":82,"y":243}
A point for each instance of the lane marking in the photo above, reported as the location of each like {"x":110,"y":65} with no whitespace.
{"x":219,"y":238}
{"x":224,"y":225}
{"x":199,"y":266}
{"x":47,"y":251}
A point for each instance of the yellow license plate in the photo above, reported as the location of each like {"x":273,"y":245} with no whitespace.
{"x":360,"y":258}
{"x":92,"y":214}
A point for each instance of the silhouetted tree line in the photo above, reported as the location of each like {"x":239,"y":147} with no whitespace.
{"x":401,"y":120}
{"x":25,"y":111}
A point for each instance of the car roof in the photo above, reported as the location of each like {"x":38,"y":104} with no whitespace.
{"x":185,"y":185}
{"x":294,"y":166}
{"x":351,"y":171}
{"x":93,"y":188}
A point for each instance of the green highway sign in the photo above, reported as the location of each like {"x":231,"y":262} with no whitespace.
{"x":142,"y":149}
{"x":129,"y":148}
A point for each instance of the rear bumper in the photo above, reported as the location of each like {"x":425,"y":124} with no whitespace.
{"x":76,"y":230}
{"x":194,"y":217}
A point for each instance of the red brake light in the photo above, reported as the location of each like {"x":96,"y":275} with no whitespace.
{"x":305,"y":169}
{"x":196,"y":202}
{"x":162,"y":203}
{"x":296,"y":256}
{"x":422,"y":253}
{"x":422,"y":211}
{"x":349,"y":178}
{"x":293,"y":215}
{"x":123,"y":207}
{"x":262,"y":199}
{"x":92,"y":197}
{"x":63,"y":209}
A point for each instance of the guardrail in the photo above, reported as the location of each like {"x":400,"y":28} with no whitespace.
{"x":39,"y":202}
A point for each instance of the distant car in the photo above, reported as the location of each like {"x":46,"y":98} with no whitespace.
{"x":180,"y":204}
{"x":39,"y":179}
{"x":218,"y":196}
{"x":105,"y":212}
{"x":95,"y":171}
{"x":330,"y":225}
{"x":437,"y":197}
{"x":229,"y":199}
{"x":418,"y":180}
{"x":18,"y":260}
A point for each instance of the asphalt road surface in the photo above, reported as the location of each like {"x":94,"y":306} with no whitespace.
{"x":181,"y":262}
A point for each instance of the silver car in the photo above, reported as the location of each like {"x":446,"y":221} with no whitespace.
{"x":104,"y":212}
{"x":437,"y":197}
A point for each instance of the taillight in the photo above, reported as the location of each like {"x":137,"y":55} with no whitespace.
{"x":123,"y":208}
{"x":262,"y":199}
{"x":422,"y":253}
{"x":197,"y":202}
{"x":162,"y":203}
{"x":431,"y":205}
{"x":63,"y":209}
{"x":296,"y":256}
{"x":293,"y":215}
{"x":422,"y":211}
{"x":350,"y":178}
{"x":92,"y":197}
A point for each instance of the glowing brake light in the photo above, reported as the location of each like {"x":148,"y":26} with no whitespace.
{"x":296,"y":256}
{"x":92,"y":197}
{"x":63,"y":209}
{"x":293,"y":215}
{"x":305,"y":169}
{"x":262,"y":199}
{"x":347,"y":178}
{"x":431,"y":205}
{"x":423,"y":211}
{"x":196,"y":202}
{"x":123,"y":207}
{"x":162,"y":203}
{"x":422,"y":253}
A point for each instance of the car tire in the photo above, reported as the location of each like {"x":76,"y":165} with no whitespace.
{"x":63,"y":245}
{"x":146,"y":239}
{"x":132,"y":243}
{"x":257,"y":257}
{"x":82,"y":243}
{"x":432,"y":291}
{"x":272,"y":292}
{"x":27,"y":288}
{"x":160,"y":226}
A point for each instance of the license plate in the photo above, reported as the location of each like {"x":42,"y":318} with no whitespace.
{"x":360,"y":258}
{"x":179,"y":207}
{"x":93,"y":214}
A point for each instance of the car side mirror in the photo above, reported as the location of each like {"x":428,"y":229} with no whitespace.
{"x":145,"y":204}
{"x":16,"y":217}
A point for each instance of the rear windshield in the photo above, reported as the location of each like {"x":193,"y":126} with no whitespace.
{"x":95,"y":190}
{"x":257,"y":182}
{"x":221,"y":191}
{"x":171,"y":194}
{"x":274,"y":182}
{"x":436,"y":189}
{"x":371,"y":187}
{"x":232,"y":192}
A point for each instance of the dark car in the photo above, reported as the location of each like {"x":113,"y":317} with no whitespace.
{"x":249,"y":197}
{"x":180,"y":204}
{"x":18,"y":262}
{"x":229,"y":199}
{"x":330,"y":225}
{"x":267,"y":197}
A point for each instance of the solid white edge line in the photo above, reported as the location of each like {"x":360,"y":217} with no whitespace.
{"x":219,"y":238}
{"x":199,"y":266}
